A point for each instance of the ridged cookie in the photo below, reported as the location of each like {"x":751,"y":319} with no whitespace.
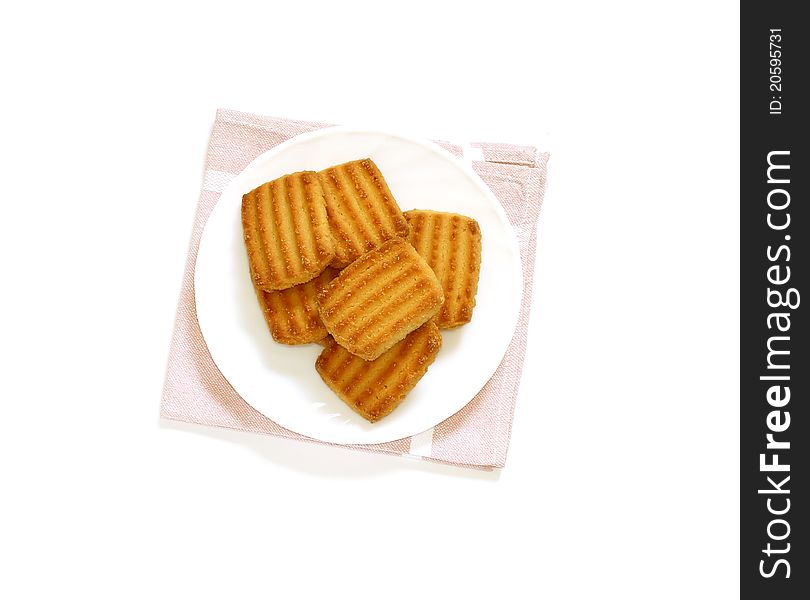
{"x":292,"y":314}
{"x":286,"y":231}
{"x":451,"y":245}
{"x":379,"y":299}
{"x":362,"y":211}
{"x":374,"y":388}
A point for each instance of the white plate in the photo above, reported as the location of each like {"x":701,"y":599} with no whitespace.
{"x":280,"y":381}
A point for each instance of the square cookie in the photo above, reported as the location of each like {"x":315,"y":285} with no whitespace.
{"x":379,"y":299}
{"x":361,"y":208}
{"x":451,"y":245}
{"x":375,"y":388}
{"x":286,"y":231}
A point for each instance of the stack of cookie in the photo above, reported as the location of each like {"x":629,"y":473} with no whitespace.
{"x":335,"y":261}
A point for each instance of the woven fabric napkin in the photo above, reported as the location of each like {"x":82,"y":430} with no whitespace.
{"x":478,"y":435}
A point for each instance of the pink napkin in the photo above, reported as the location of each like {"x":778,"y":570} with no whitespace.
{"x":478,"y":435}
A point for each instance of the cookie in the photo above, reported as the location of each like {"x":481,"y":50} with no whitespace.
{"x":361,"y":209}
{"x":292,"y":314}
{"x":451,"y":245}
{"x":379,"y":299}
{"x":286,"y":231}
{"x":375,"y":388}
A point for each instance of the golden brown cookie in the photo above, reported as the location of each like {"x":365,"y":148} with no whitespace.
{"x":374,"y":388}
{"x":379,"y":299}
{"x":362,"y":211}
{"x":286,"y":231}
{"x":292,"y":314}
{"x":451,"y":245}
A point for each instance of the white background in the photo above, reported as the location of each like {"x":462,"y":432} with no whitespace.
{"x":622,"y":476}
